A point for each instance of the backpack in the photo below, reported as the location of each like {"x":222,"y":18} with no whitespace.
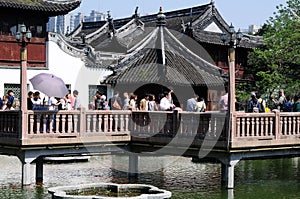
{"x":296,"y":106}
{"x":255,"y":105}
{"x":287,"y":106}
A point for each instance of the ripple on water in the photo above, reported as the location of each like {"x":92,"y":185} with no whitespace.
{"x":253,"y":179}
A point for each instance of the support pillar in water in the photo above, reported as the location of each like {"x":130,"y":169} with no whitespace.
{"x":39,"y":170}
{"x":133,"y":165}
{"x":227,"y":167}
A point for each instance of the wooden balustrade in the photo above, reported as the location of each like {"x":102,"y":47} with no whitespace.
{"x":289,"y":125}
{"x":179,"y":124}
{"x":9,"y":124}
{"x":86,"y":125}
{"x":69,"y":123}
{"x":254,"y":125}
{"x":265,"y":129}
{"x":266,"y":125}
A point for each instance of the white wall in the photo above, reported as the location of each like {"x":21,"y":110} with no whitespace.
{"x":71,"y":69}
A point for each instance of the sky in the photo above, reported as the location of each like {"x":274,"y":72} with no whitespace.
{"x":241,"y":13}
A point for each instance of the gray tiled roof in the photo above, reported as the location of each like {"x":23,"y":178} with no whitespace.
{"x":182,"y":66}
{"x":49,"y":6}
{"x":199,"y":16}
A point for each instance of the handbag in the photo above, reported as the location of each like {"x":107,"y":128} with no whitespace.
{"x":116,"y":105}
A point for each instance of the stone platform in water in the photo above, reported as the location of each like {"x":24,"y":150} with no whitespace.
{"x":109,"y":191}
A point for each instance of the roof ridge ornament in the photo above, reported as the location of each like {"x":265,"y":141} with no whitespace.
{"x":161,"y":18}
{"x":212,"y":2}
{"x":136,"y":15}
{"x":111,"y":26}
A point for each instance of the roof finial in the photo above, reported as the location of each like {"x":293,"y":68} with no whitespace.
{"x":161,"y":18}
{"x":108,"y":15}
{"x":136,"y":14}
{"x":111,"y":26}
{"x":212,"y":6}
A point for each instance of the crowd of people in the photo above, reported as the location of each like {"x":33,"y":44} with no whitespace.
{"x":9,"y":102}
{"x":35,"y":102}
{"x":283,"y":103}
{"x":148,"y":102}
{"x":68,"y":102}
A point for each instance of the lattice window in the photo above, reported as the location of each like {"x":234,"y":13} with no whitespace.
{"x":15,"y":88}
{"x":94,"y":88}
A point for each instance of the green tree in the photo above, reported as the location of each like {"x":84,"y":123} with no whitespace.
{"x":276,"y":64}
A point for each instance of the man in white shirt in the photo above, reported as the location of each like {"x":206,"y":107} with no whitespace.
{"x":53,"y":104}
{"x":165,"y":104}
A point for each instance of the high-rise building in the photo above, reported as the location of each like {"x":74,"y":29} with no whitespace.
{"x":253,"y":29}
{"x":94,"y":16}
{"x":67,"y":23}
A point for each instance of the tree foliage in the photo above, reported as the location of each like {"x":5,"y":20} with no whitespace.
{"x":277,"y":63}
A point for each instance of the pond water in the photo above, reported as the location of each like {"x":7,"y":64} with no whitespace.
{"x":274,"y":178}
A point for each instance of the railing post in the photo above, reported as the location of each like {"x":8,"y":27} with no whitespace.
{"x":174,"y":122}
{"x":82,"y":127}
{"x":23,"y":127}
{"x":232,"y":133}
{"x":277,"y":127}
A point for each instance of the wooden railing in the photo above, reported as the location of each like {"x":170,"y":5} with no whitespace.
{"x":265,"y":129}
{"x":69,"y":127}
{"x":88,"y":126}
{"x":9,"y":126}
{"x":178,"y":124}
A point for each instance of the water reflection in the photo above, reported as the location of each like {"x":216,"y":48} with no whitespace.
{"x":278,"y":178}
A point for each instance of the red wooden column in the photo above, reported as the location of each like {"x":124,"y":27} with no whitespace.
{"x":231,"y":92}
{"x":23,"y":103}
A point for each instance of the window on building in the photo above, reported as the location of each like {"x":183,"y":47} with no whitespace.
{"x":15,"y":88}
{"x":94,"y":88}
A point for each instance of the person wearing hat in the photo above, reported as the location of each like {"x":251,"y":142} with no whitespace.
{"x":280,"y":101}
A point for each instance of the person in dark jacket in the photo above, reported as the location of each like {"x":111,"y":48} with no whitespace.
{"x":253,"y":105}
